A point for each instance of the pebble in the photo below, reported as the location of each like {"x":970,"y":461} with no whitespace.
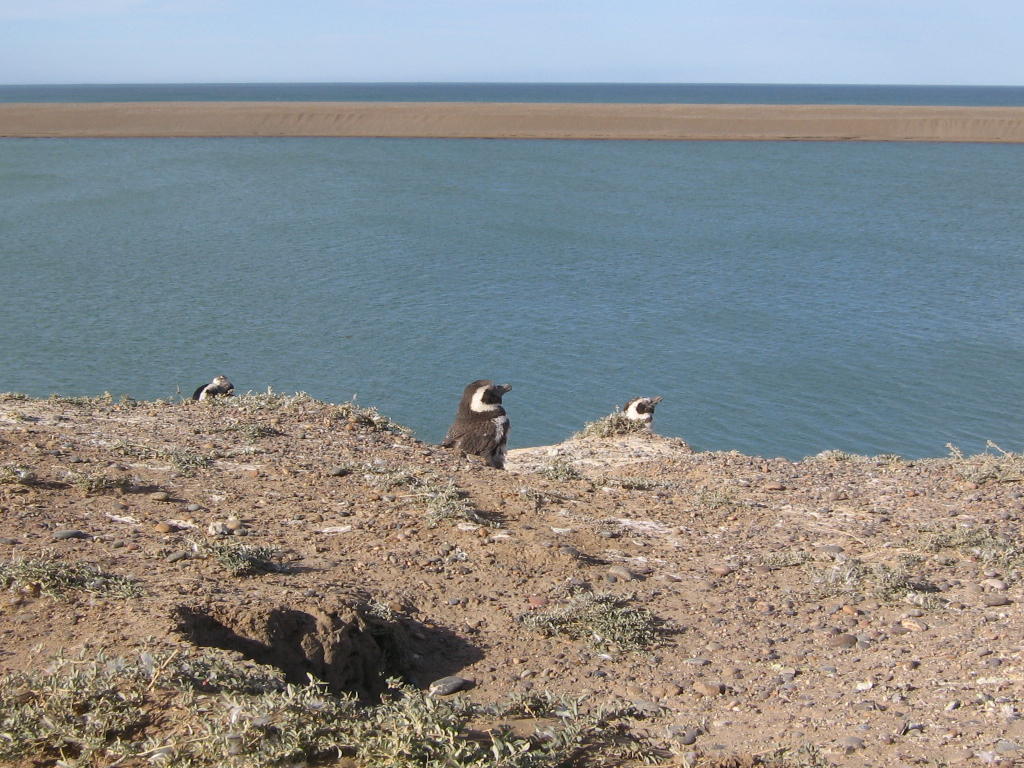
{"x":338,"y":472}
{"x":850,"y":743}
{"x":646,"y":708}
{"x":721,"y":570}
{"x":193,"y":508}
{"x":621,"y":572}
{"x":706,"y":688}
{"x":218,"y":529}
{"x":666,"y":690}
{"x":164,"y":528}
{"x":775,"y":487}
{"x":70,"y":534}
{"x":915,"y":625}
{"x":842,"y":640}
{"x":160,"y":496}
{"x":174,"y":557}
{"x":698,"y":662}
{"x":448,"y":685}
{"x":997,"y":584}
{"x":234,"y":524}
{"x":8,"y":541}
{"x":958,"y":756}
{"x":993,"y":600}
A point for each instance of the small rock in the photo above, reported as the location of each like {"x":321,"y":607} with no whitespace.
{"x":842,"y":640}
{"x":164,"y":528}
{"x":850,"y":744}
{"x":193,"y":508}
{"x":234,"y":524}
{"x":776,"y":486}
{"x":448,"y":685}
{"x":70,"y":534}
{"x":993,"y":600}
{"x":8,"y":541}
{"x":706,"y":688}
{"x":338,"y":472}
{"x":160,"y":496}
{"x":997,"y":584}
{"x":915,"y":625}
{"x":176,"y":556}
{"x":218,"y":528}
{"x":646,"y":708}
{"x":697,"y":662}
{"x":721,"y":570}
{"x":959,"y":756}
{"x":537,"y":602}
{"x":621,"y":572}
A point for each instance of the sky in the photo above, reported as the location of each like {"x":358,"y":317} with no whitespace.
{"x":914,"y":42}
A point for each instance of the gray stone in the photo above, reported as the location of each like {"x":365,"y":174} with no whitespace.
{"x":850,"y":743}
{"x":448,"y":685}
{"x":70,"y":534}
{"x":621,"y":572}
{"x":994,"y":600}
{"x":841,"y":641}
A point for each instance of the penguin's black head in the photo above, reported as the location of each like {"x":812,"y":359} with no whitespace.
{"x":484,"y":395}
{"x":641,"y":408}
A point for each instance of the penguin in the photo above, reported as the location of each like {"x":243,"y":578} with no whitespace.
{"x":481,"y":426}
{"x":219,"y":386}
{"x":641,"y":409}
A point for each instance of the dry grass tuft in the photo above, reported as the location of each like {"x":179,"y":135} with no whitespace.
{"x":599,"y":617}
{"x":613,"y":425}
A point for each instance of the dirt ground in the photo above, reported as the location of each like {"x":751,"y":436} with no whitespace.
{"x":866,"y":607}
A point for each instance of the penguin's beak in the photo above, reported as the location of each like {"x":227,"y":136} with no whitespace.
{"x":501,"y":389}
{"x":656,"y":400}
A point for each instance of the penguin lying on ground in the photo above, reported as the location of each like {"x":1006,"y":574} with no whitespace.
{"x":481,"y":426}
{"x":219,"y":386}
{"x":641,"y":409}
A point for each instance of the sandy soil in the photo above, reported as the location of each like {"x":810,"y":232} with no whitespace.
{"x":867,"y":607}
{"x":520,"y":121}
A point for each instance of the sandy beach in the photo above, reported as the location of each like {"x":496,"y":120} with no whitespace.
{"x":514,"y":121}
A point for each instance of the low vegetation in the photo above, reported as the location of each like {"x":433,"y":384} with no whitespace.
{"x":239,"y":559}
{"x":57,"y":578}
{"x":601,"y":618}
{"x":612,"y":425}
{"x":237,"y":714}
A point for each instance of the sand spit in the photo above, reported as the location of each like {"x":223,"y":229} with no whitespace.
{"x":516,"y":121}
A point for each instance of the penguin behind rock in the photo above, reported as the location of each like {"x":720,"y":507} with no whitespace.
{"x":641,"y":409}
{"x":481,"y":426}
{"x":219,"y":386}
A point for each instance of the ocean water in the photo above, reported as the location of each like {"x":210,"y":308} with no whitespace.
{"x":783,"y":298}
{"x":621,"y":93}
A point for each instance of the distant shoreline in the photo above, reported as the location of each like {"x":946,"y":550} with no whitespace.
{"x":483,"y":120}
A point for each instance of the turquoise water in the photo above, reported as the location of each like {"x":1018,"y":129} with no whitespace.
{"x":784,"y":298}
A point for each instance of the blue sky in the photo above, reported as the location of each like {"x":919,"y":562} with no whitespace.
{"x":926,"y":42}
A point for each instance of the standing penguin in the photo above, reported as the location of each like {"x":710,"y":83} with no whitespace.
{"x":219,"y":386}
{"x":641,"y":409}
{"x":481,"y":426}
